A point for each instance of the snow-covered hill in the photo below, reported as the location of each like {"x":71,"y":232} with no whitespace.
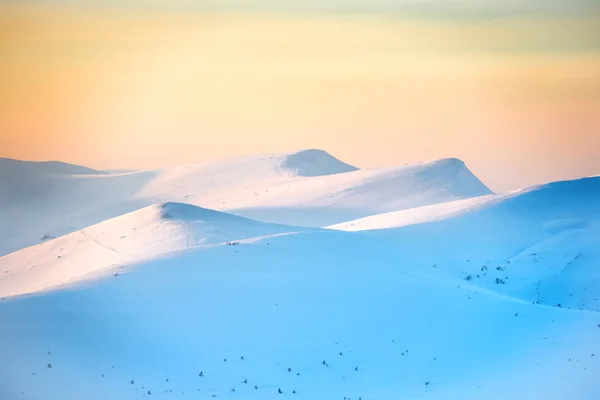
{"x":451,"y":296}
{"x":326,"y":315}
{"x":541,"y":243}
{"x":307,"y":188}
{"x":335,"y":198}
{"x":42,"y":200}
{"x":13,"y":169}
{"x":102,"y":249}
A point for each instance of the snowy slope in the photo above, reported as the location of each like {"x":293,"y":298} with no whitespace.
{"x":335,"y":198}
{"x":102,"y":249}
{"x":11,"y":169}
{"x":307,"y":188}
{"x":266,"y":189}
{"x":154,"y":303}
{"x":423,"y":214}
{"x":542,"y":242}
{"x":55,"y":205}
{"x":385,"y":328}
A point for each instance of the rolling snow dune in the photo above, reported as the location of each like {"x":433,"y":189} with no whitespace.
{"x":11,"y":168}
{"x":330,"y":199}
{"x":326,"y":315}
{"x":314,"y":163}
{"x":541,"y":244}
{"x":262,"y":188}
{"x":57,"y":205}
{"x":101,"y":249}
{"x":309,"y":188}
{"x":454,"y":297}
{"x":24,"y":180}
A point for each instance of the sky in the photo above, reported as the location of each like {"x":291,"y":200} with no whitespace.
{"x":511,"y":89}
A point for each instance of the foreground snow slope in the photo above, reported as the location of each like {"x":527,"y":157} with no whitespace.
{"x":541,"y":244}
{"x":307,"y":188}
{"x":385,"y":327}
{"x":100,"y":250}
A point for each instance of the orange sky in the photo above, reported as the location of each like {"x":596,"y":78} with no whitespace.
{"x":517,"y":98}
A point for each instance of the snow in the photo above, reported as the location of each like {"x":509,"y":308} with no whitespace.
{"x":18,"y":169}
{"x":100,"y":250}
{"x":61,"y":204}
{"x":293,"y":301}
{"x":309,"y":188}
{"x":544,"y":236}
{"x":315,"y":163}
{"x":160,"y":288}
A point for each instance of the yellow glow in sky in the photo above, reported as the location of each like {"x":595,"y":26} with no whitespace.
{"x":517,"y":98}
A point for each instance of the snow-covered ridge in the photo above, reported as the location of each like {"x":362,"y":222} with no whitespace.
{"x":491,"y":297}
{"x":307,"y":188}
{"x":19,"y":169}
{"x":186,"y":212}
{"x":561,"y":200}
{"x":98,"y":250}
{"x":540,"y":244}
{"x":314,"y":163}
{"x":315,"y":315}
{"x":24,"y":180}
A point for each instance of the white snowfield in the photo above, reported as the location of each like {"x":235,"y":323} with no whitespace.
{"x":102,"y":249}
{"x":308,"y":188}
{"x":548,"y":235}
{"x":490,"y":297}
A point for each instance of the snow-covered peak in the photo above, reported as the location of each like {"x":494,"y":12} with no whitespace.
{"x":314,"y":162}
{"x":20,"y":169}
{"x":545,"y":236}
{"x":174,"y":211}
{"x":562,"y":199}
{"x":454,"y":173}
{"x":306,"y":188}
{"x":101,"y":249}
